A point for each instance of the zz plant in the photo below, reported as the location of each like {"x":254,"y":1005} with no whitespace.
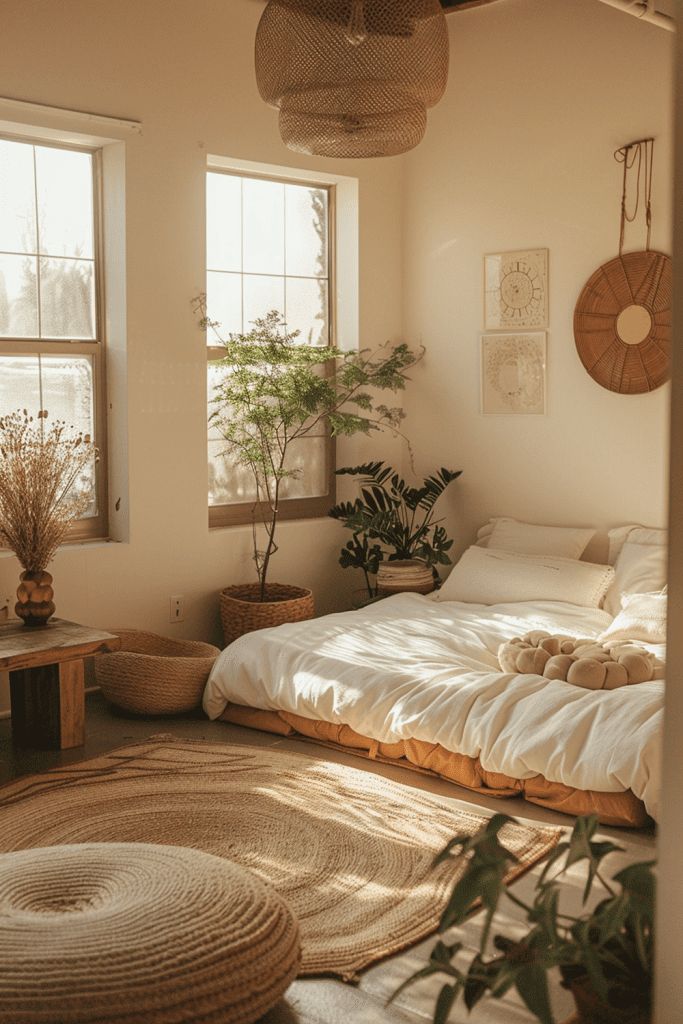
{"x":391,"y":513}
{"x":605,"y":955}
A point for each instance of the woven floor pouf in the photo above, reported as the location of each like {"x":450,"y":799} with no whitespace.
{"x":155,"y":675}
{"x":123,"y":933}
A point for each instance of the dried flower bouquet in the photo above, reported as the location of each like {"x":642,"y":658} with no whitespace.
{"x":42,"y":492}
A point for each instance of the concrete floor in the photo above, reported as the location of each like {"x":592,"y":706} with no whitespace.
{"x":326,"y":1001}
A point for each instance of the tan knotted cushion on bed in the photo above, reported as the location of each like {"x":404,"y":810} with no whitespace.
{"x":612,"y":808}
{"x":119,"y":933}
{"x":155,"y":675}
{"x":584,"y":663}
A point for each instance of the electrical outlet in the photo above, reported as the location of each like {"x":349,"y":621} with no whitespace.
{"x":177,"y":610}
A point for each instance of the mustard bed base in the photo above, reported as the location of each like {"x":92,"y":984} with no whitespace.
{"x":621,"y":809}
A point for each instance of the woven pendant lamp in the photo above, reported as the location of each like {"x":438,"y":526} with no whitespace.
{"x":352,"y":78}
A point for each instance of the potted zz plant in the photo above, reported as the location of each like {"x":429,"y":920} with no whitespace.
{"x":392,"y":514}
{"x":604,"y":955}
{"x":275,"y":391}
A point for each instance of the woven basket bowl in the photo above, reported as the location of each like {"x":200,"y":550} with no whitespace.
{"x":154,"y":675}
{"x":242,"y":612}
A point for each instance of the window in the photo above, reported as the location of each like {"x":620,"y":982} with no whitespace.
{"x":269,"y":246}
{"x":51,"y":347}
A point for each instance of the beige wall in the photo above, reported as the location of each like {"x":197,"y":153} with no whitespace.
{"x":185,"y":69}
{"x":519,"y":155}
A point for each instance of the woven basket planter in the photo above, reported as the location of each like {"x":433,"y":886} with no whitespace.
{"x":242,"y":611}
{"x":154,"y":675}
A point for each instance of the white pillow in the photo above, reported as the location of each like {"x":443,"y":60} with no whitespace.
{"x":636,"y":534}
{"x":639,"y":558}
{"x":643,"y":618}
{"x":486,"y":576}
{"x":529,"y":539}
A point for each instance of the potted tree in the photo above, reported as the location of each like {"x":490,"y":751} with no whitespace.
{"x":275,"y":391}
{"x":391,"y":514}
{"x":604,"y":955}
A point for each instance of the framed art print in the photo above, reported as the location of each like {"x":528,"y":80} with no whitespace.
{"x":513,"y":370}
{"x":516,"y":290}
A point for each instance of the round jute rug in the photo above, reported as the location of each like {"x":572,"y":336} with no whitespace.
{"x":349,"y":851}
{"x":132,"y":932}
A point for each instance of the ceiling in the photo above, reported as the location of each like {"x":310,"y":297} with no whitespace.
{"x":453,"y":5}
{"x":665,"y":7}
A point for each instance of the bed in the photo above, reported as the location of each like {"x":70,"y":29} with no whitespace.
{"x":416,"y":681}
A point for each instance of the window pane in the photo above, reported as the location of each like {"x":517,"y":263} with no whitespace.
{"x":229,"y":484}
{"x":261,"y":295}
{"x":61,"y":384}
{"x":264,"y":227}
{"x":65,"y":213}
{"x":273,"y":239}
{"x":67,"y":298}
{"x":307,"y":309}
{"x":308,"y":457}
{"x":224,"y":222}
{"x":224,"y":304}
{"x":67,"y":387}
{"x":232,"y":484}
{"x":67,"y":394}
{"x":18,"y":297}
{"x":19,"y":384}
{"x":306,"y":231}
{"x":17,"y":198}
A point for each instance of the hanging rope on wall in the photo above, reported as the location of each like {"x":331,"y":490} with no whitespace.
{"x":622,"y":320}
{"x":641,"y":155}
{"x":352,"y":78}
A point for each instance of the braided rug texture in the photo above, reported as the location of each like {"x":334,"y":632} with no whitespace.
{"x":350,"y":852}
{"x":127,"y":932}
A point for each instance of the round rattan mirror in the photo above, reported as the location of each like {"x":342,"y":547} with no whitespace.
{"x":622,"y":323}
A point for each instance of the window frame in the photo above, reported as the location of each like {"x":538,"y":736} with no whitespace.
{"x":93,"y":527}
{"x":243,"y":513}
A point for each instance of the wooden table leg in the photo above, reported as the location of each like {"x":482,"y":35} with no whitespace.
{"x":48,"y":706}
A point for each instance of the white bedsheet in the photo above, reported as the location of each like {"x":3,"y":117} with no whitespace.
{"x":410,"y":668}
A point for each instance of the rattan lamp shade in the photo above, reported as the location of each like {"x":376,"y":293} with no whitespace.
{"x":352,"y":78}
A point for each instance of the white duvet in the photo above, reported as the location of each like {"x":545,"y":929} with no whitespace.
{"x":412,"y":668}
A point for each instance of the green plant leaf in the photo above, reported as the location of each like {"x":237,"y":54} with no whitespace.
{"x":388,"y":512}
{"x":444,"y":1003}
{"x":639,"y":882}
{"x":483,"y":977}
{"x":589,"y":957}
{"x":439,"y":963}
{"x":531,"y":981}
{"x":611,"y":946}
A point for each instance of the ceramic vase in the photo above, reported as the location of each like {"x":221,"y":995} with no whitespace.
{"x":34,"y":598}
